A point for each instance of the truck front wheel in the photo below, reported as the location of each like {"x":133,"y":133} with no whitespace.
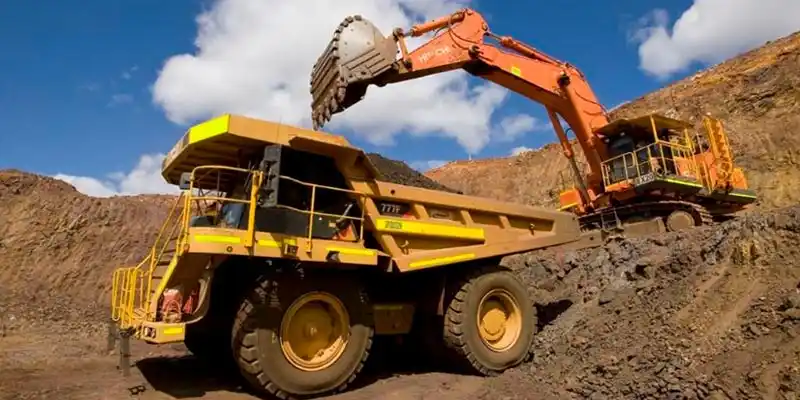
{"x":490,"y":321}
{"x":299,"y":335}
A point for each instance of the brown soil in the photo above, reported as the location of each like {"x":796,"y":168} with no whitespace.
{"x":399,"y":172}
{"x":756,"y":95}
{"x":712,"y":314}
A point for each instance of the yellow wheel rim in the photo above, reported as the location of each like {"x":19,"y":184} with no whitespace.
{"x":314,"y":331}
{"x":499,"y":320}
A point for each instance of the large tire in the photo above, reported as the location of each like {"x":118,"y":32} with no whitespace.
{"x":263,"y":346}
{"x":483,"y":353}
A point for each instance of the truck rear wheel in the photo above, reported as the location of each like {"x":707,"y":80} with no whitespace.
{"x":297,"y":336}
{"x":490,"y":321}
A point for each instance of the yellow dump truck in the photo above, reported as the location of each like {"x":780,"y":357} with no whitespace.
{"x":286,"y":253}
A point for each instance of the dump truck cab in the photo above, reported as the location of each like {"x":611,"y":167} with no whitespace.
{"x":648,"y":149}
{"x":286,"y":252}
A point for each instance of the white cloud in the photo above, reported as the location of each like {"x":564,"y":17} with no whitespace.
{"x":119,"y":99}
{"x":145,"y":178}
{"x":88,"y":186}
{"x":515,"y":126}
{"x":519,"y":150}
{"x":128,"y":73}
{"x":423,"y":166}
{"x":254,"y":57}
{"x":90,"y":87}
{"x":711,"y":31}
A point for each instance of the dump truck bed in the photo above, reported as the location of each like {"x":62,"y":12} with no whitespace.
{"x":413,"y":228}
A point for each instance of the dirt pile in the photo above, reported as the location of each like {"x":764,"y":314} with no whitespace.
{"x":58,"y":246}
{"x":756,"y":95}
{"x":710,"y":314}
{"x":399,"y":172}
{"x":533,"y":177}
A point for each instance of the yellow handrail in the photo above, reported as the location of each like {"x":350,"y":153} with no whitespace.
{"x":312,"y":211}
{"x":156,"y":255}
{"x":131,"y":287}
{"x":256,"y":184}
{"x":655,"y":157}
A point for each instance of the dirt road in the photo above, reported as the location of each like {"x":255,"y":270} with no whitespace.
{"x":47,"y":365}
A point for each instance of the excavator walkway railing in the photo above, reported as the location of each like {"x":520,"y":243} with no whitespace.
{"x":660,"y":162}
{"x":134,"y":289}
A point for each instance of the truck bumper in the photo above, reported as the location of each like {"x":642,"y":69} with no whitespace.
{"x":162,"y":332}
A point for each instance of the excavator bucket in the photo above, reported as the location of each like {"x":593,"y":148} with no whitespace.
{"x":354,"y":58}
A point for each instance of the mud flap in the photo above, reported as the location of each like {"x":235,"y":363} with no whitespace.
{"x":124,"y":338}
{"x":113,"y":334}
{"x":125,"y":353}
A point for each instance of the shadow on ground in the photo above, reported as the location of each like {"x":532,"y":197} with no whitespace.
{"x":185,"y":376}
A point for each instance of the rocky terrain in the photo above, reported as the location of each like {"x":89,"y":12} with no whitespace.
{"x":400,"y":172}
{"x":710,"y":314}
{"x":713,"y":314}
{"x":756,"y":95}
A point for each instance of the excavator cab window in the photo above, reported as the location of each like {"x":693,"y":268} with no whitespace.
{"x":665,"y":150}
{"x":621,"y":152}
{"x":620,"y":145}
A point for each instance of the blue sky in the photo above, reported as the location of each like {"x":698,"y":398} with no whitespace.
{"x":77,"y":83}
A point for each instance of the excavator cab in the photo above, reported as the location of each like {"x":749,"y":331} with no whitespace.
{"x":649,"y":153}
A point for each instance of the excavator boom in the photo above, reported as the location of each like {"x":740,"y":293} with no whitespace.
{"x":359,"y":55}
{"x":641,"y":166}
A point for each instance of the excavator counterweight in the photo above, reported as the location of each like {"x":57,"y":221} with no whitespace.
{"x":355,"y":56}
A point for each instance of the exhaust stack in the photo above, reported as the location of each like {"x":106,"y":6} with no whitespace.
{"x":357,"y":54}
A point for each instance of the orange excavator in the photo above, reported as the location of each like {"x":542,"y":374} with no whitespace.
{"x":645,"y":170}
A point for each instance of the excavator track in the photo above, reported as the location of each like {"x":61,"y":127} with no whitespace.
{"x":650,"y":210}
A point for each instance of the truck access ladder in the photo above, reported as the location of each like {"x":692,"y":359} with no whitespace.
{"x":136,"y":289}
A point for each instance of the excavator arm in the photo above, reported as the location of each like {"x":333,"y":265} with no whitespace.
{"x":359,"y":55}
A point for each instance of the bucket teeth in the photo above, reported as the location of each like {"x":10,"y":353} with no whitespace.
{"x":355,"y":56}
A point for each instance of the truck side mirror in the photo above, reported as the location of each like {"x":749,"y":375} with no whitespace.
{"x":185,"y":182}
